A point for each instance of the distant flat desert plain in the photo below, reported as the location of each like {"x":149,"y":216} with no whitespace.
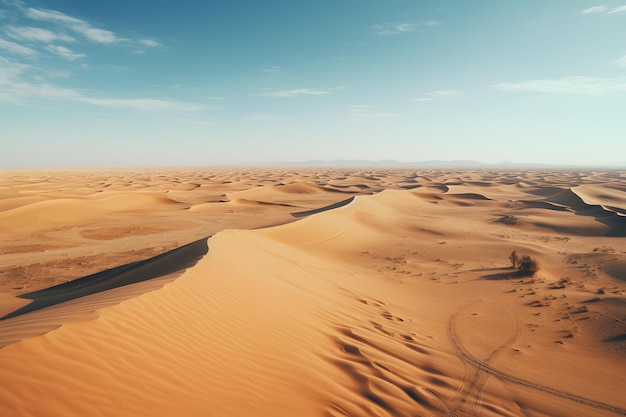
{"x":312,"y":292}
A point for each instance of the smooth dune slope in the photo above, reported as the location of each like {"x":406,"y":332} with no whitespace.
{"x":398,"y":303}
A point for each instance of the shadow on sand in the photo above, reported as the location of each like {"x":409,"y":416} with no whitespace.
{"x":504,"y":274}
{"x":158,"y":266}
{"x":326,"y":208}
{"x":618,"y":338}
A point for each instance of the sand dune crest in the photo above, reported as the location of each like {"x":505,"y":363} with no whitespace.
{"x":398,"y":303}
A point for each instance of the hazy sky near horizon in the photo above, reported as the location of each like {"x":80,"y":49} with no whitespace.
{"x":221,"y":82}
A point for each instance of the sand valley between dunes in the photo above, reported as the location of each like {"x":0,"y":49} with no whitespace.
{"x":310,"y":292}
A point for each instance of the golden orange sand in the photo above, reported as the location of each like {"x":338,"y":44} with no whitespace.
{"x":319,"y":293}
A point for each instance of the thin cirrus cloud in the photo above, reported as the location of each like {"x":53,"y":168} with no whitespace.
{"x":394,"y":29}
{"x":84,"y":28}
{"x":602,"y":9}
{"x":295,"y":92}
{"x":64,"y":52}
{"x":440,"y":95}
{"x":17,"y":49}
{"x":594,"y":9}
{"x":29,"y":33}
{"x":621,"y":61}
{"x":75,"y":24}
{"x":398,"y":28}
{"x":24,"y":83}
{"x":25,"y":36}
{"x":148,"y":43}
{"x":406,"y":27}
{"x":143,"y":104}
{"x":431,"y":22}
{"x":368,"y":111}
{"x":566,"y":85}
{"x":19,"y":87}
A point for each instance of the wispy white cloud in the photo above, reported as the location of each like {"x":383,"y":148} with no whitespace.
{"x":594,"y":9}
{"x":64,"y":52}
{"x":29,"y":33}
{"x":398,"y":28}
{"x":17,"y":49}
{"x":603,"y":10}
{"x":77,"y":25}
{"x":388,"y":32}
{"x":272,"y":69}
{"x":621,"y":61}
{"x":439,"y":95}
{"x":81,"y":27}
{"x":295,"y":92}
{"x":23,"y":84}
{"x":567,"y":85}
{"x":619,"y":9}
{"x":367,"y":111}
{"x":406,"y":27}
{"x":445,"y":93}
{"x":142,"y":104}
{"x":149,"y":43}
{"x":17,"y":88}
{"x":432,"y":22}
{"x":140,"y":44}
{"x":395,"y":29}
{"x":117,"y":68}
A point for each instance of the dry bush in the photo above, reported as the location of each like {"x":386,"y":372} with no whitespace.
{"x":514,"y":259}
{"x":527,"y":265}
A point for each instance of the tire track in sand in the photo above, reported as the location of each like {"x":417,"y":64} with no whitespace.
{"x":447,"y":405}
{"x":468,"y":359}
{"x":474,"y":380}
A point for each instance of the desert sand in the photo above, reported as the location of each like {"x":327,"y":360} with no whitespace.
{"x":304,"y":292}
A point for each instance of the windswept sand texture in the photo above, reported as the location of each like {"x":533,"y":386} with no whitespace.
{"x":319,"y":293}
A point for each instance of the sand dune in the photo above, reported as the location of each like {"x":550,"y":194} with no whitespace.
{"x":61,"y":211}
{"x":293,"y":194}
{"x":322,"y":209}
{"x":156,"y":267}
{"x":395,"y":300}
{"x":608,"y":197}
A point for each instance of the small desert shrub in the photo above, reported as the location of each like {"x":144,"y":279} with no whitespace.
{"x":527,"y":265}
{"x":510,"y":220}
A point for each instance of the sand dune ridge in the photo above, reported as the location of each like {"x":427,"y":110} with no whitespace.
{"x":396,"y":301}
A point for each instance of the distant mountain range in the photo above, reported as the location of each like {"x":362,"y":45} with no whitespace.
{"x":460,"y":164}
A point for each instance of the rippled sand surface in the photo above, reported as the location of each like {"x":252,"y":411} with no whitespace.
{"x":284,"y":292}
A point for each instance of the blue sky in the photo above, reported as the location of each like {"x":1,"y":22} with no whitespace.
{"x":223,"y":82}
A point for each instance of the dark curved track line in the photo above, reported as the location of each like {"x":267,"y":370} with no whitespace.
{"x":448,"y":407}
{"x":469,"y":359}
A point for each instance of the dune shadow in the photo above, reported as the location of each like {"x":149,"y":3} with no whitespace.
{"x":618,"y":338}
{"x":507,"y":273}
{"x":569,"y":200}
{"x":322,"y":209}
{"x":158,"y":266}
